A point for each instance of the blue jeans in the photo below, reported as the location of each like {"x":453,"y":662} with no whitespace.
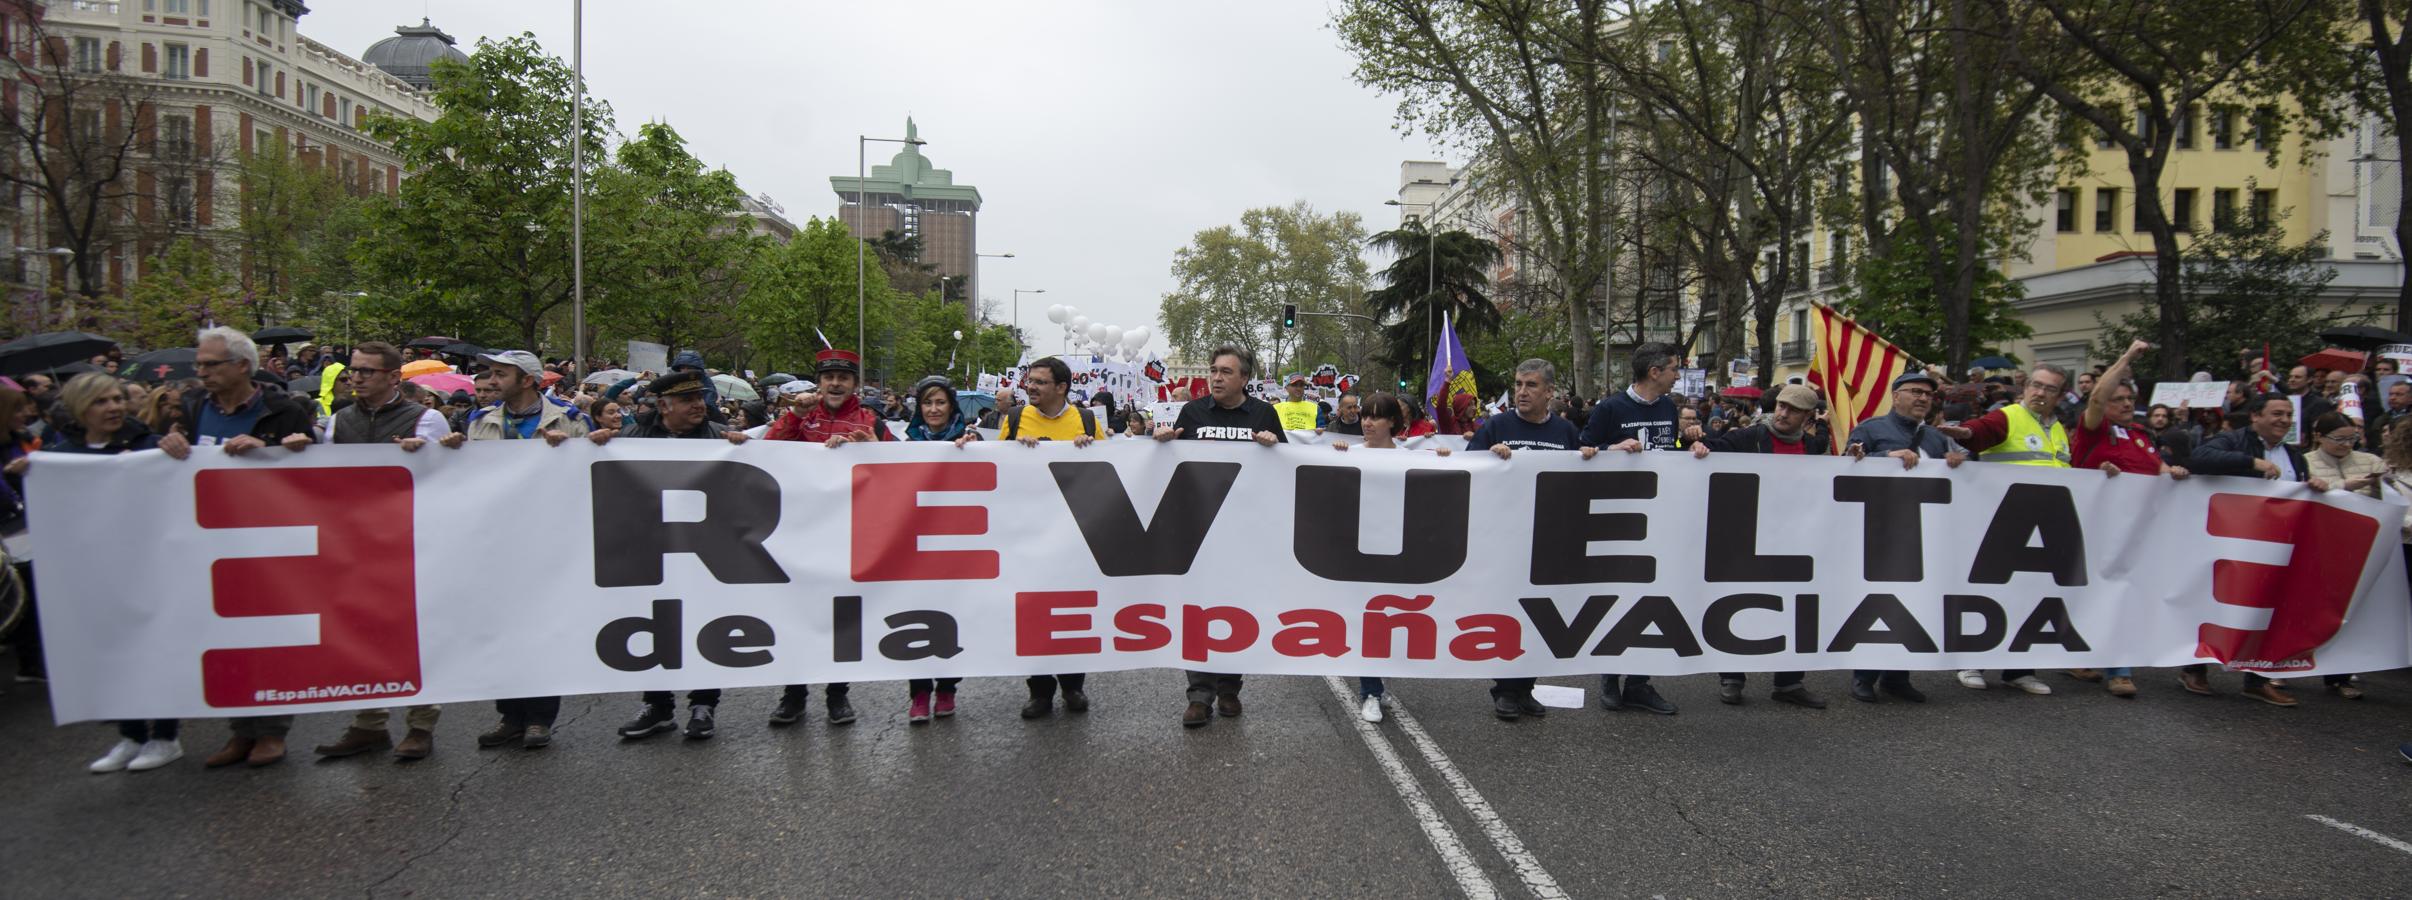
{"x":2120,"y":672}
{"x":1369,"y":686}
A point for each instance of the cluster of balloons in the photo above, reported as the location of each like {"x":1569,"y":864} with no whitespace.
{"x":1098,"y":337}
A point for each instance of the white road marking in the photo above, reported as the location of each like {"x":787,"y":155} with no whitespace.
{"x":1453,"y":853}
{"x":2361,"y":832}
{"x":1528,"y":868}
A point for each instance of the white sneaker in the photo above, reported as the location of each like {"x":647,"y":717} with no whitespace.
{"x":155,"y":754}
{"x":1973,"y":679}
{"x":2031,"y":684}
{"x":117,"y":757}
{"x":1371,"y":711}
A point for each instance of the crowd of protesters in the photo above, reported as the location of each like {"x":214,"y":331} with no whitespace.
{"x":2344,"y":431}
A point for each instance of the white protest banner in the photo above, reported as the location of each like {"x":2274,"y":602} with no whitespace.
{"x":356,"y":576}
{"x":648,"y":357}
{"x":2195,"y":394}
{"x":1691,"y":382}
{"x":2401,"y":353}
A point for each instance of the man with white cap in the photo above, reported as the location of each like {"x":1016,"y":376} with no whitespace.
{"x":523,"y":411}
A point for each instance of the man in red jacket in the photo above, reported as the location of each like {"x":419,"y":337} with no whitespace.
{"x":839,"y":418}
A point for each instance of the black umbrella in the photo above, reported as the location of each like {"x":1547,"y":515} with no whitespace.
{"x":2362,"y":337}
{"x":431,"y":343}
{"x":461,"y":349}
{"x":281,"y":334}
{"x":160,"y":365}
{"x":1992,"y":362}
{"x":307,"y":384}
{"x":70,"y":370}
{"x":44,"y":352}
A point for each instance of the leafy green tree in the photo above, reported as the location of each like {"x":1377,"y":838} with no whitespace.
{"x":1896,"y":295}
{"x":183,"y":291}
{"x":477,"y":240}
{"x":291,"y":213}
{"x":2132,"y":70}
{"x":2248,"y":289}
{"x":1431,"y":275}
{"x":800,"y":290}
{"x":1232,"y":281}
{"x":677,"y":255}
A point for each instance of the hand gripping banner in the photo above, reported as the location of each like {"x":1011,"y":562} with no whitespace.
{"x":346,"y":576}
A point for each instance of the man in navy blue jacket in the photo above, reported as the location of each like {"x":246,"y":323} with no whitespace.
{"x":2260,"y":451}
{"x":1639,"y":418}
{"x":1530,"y":426}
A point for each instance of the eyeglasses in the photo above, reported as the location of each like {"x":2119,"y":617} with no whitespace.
{"x":2342,"y":437}
{"x":204,"y":365}
{"x":364,"y":370}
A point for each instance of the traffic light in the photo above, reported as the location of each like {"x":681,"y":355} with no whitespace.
{"x":1289,"y":315}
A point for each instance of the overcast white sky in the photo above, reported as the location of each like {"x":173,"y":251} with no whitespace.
{"x":1101,"y":135}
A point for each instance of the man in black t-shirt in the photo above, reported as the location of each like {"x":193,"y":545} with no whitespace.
{"x":1226,"y":413}
{"x":1530,"y":426}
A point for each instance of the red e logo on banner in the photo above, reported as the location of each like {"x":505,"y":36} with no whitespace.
{"x":360,"y":584}
{"x":2307,"y":597}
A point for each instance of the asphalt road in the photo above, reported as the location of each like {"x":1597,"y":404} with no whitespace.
{"x":1976,"y":794}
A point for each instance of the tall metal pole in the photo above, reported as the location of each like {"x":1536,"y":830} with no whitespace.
{"x":860,"y":228}
{"x":578,"y":187}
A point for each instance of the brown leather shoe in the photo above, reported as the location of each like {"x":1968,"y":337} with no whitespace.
{"x":2086,"y":674}
{"x":1227,"y":706}
{"x":415,"y":745}
{"x":1197,"y":715}
{"x":269,"y":751}
{"x":234,"y":752}
{"x":2270,"y":693}
{"x":2122,"y":686}
{"x":2194,"y":682}
{"x":357,"y":740}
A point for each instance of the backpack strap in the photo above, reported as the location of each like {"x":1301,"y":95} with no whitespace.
{"x":1088,"y":421}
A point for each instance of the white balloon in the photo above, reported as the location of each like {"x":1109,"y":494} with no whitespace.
{"x":1080,"y":324}
{"x":1055,"y":313}
{"x":1097,"y":333}
{"x":1113,"y":335}
{"x":1135,"y":338}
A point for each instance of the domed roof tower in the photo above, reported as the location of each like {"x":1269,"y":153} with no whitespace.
{"x":410,"y":53}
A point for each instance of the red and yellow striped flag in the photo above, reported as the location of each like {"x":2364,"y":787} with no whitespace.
{"x":1855,"y":369}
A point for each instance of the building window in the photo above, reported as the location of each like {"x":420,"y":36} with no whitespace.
{"x":2265,"y":207}
{"x":178,"y":7}
{"x":2223,"y":209}
{"x":262,"y":140}
{"x":179,"y":62}
{"x":263,"y":71}
{"x":2065,"y":217}
{"x":2223,"y":130}
{"x":1666,"y":50}
{"x":1838,"y":251}
{"x":2265,"y":128}
{"x":2144,"y":124}
{"x":2184,"y":126}
{"x":2102,"y":139}
{"x":266,"y":29}
{"x":2181,"y":209}
{"x":176,"y":137}
{"x":2106,"y":210}
{"x":309,"y":97}
{"x":87,"y":54}
{"x":1798,"y":278}
{"x":343,"y":110}
{"x":180,"y":201}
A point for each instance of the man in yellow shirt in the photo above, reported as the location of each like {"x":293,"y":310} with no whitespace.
{"x":1050,"y":415}
{"x":1299,"y":413}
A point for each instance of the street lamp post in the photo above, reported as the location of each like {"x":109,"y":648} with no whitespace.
{"x":972,"y":297}
{"x":1017,"y":314}
{"x":861,"y":145}
{"x":1431,"y":266}
{"x":577,"y":189}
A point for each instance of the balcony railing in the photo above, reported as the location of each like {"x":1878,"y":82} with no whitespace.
{"x":1792,"y":351}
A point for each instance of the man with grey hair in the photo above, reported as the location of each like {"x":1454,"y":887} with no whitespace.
{"x":2026,"y":433}
{"x":241,"y":415}
{"x":1530,"y":426}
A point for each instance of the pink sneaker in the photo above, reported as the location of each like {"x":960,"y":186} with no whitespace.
{"x":921,"y":708}
{"x":946,"y":704}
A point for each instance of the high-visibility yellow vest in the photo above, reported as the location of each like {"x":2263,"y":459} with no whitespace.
{"x":2029,"y":442}
{"x":1296,"y":415}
